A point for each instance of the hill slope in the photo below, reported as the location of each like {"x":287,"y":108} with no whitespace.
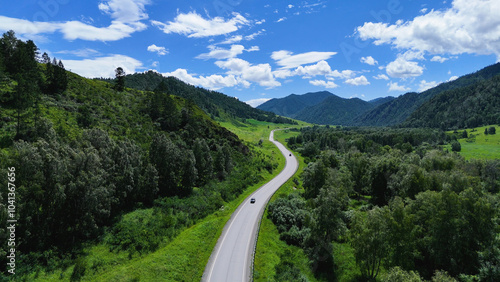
{"x":398,"y":110}
{"x":290,"y":105}
{"x":466,"y":107}
{"x":334,"y":110}
{"x":213,"y":103}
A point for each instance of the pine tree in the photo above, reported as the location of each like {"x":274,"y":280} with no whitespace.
{"x":120,"y":79}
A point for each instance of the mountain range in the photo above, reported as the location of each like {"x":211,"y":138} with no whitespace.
{"x":474,"y":94}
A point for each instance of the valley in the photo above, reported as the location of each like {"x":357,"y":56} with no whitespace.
{"x":134,"y":178}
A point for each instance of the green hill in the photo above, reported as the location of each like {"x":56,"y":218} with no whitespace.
{"x":214,"y":103}
{"x":467,"y":107}
{"x":334,"y":110}
{"x":398,"y":110}
{"x":291,"y":105}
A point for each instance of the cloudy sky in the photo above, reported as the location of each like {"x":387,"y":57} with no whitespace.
{"x":257,"y":50}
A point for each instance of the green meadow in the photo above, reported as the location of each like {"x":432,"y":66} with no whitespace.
{"x":478,"y":145}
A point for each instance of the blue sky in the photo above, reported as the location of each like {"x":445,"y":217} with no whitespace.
{"x":258,"y":50}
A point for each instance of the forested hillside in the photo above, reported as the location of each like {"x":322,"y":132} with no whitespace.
{"x":291,"y":105}
{"x":389,"y":205}
{"x":86,"y":154}
{"x":398,"y":110}
{"x":466,"y":107}
{"x":216,"y":104}
{"x":335,"y":111}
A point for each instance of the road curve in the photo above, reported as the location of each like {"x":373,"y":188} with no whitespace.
{"x":232,"y":257}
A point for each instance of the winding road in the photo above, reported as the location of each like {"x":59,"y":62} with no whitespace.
{"x":232,"y":257}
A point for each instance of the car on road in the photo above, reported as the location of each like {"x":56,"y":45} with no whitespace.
{"x":252,"y":200}
{"x":290,"y":155}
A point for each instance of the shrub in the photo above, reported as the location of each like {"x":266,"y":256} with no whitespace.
{"x":455,"y":146}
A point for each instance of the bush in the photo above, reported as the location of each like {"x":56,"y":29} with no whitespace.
{"x":455,"y":146}
{"x":491,"y":130}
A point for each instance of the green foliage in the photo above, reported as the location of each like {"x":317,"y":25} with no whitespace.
{"x":455,"y":146}
{"x":491,"y":130}
{"x":396,"y":274}
{"x":286,"y":270}
{"x":434,"y":210}
{"x":369,"y":239}
{"x":120,"y":81}
{"x":290,"y":216}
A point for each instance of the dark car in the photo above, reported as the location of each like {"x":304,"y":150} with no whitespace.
{"x":290,"y":155}
{"x":252,"y":200}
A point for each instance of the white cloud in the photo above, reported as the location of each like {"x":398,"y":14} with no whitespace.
{"x":281,"y":19}
{"x":220,"y":53}
{"x":466,"y":27}
{"x":395,"y":87}
{"x":320,"y":68}
{"x":381,"y":76}
{"x":290,"y":6}
{"x":87,"y":52}
{"x":213,"y":82}
{"x":439,"y":59}
{"x":103,"y":66}
{"x":369,"y":60}
{"x":424,"y":85}
{"x":158,"y":49}
{"x":257,"y":102}
{"x":127,"y":11}
{"x":253,"y":35}
{"x":261,"y":73}
{"x":287,"y":60}
{"x":253,"y":49}
{"x":358,"y":81}
{"x":326,"y":84}
{"x":194,"y":25}
{"x":232,"y":40}
{"x":453,"y":78}
{"x":260,"y":22}
{"x":402,"y":68}
{"x":126,"y":18}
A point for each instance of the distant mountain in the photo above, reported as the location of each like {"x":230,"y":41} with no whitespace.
{"x":382,"y":100}
{"x":214,"y":103}
{"x":471,"y":106}
{"x":398,"y":110}
{"x":290,"y":105}
{"x":334,"y":110}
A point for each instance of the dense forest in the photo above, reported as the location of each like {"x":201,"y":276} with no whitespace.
{"x":398,"y":110}
{"x":399,"y":204}
{"x":86,"y":153}
{"x":213,"y":103}
{"x":467,"y":107}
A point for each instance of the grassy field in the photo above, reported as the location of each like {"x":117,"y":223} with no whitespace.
{"x":479,"y":145}
{"x":185,"y":257}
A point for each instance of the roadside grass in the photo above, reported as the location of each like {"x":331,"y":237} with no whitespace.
{"x":479,"y":145}
{"x":185,"y":257}
{"x":269,"y":246}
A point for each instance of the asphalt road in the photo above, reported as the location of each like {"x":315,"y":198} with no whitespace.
{"x":232,"y":257}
